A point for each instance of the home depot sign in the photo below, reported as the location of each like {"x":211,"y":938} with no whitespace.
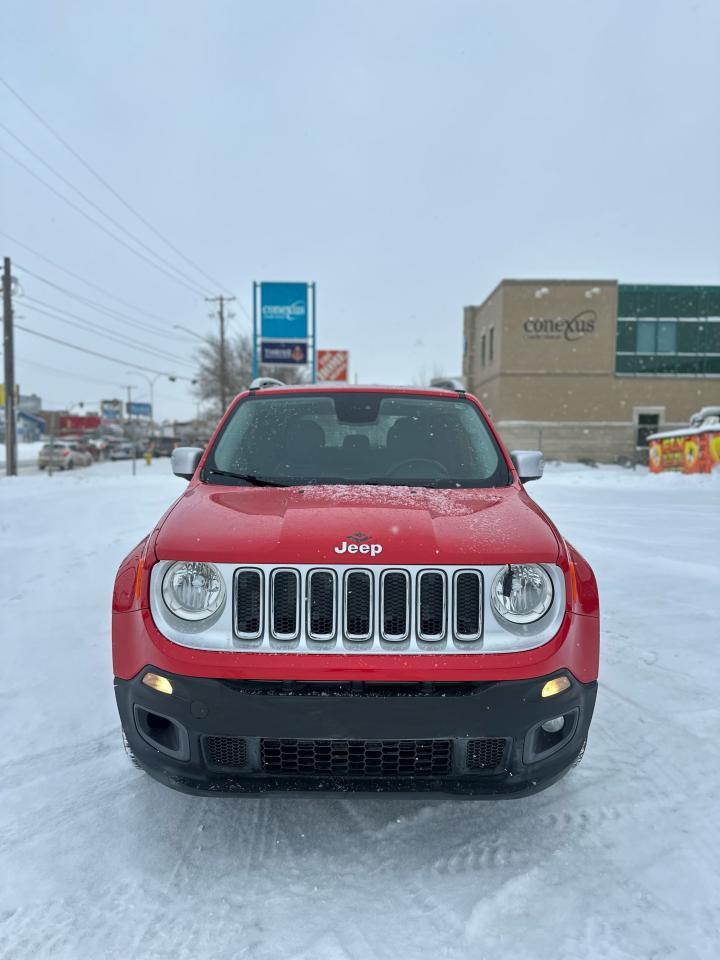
{"x":332,"y":364}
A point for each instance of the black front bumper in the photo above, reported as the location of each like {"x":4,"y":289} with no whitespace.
{"x":247,"y":737}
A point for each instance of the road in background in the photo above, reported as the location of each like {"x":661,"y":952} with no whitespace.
{"x":618,"y":860}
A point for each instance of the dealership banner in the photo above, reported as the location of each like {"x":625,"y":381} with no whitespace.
{"x":283,"y":311}
{"x":284,"y":325}
{"x":333,"y":365}
{"x":284,"y":352}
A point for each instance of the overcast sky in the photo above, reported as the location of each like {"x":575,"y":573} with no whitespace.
{"x":404,"y":155}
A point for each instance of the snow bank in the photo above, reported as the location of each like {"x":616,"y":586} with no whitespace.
{"x":27,"y":453}
{"x":618,"y":860}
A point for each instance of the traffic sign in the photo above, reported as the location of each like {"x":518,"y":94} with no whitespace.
{"x":111,"y":409}
{"x":333,"y":364}
{"x":134,"y":409}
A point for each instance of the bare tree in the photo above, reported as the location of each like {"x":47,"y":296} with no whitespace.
{"x":238,"y":363}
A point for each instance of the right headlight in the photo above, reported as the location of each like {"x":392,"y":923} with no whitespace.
{"x":193,"y":591}
{"x":521,"y":593}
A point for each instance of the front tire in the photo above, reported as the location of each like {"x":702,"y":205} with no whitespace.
{"x":129,"y":753}
{"x":579,"y":757}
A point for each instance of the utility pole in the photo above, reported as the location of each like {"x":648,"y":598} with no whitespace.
{"x":221,"y":301}
{"x":8,"y":347}
{"x":130,"y":425}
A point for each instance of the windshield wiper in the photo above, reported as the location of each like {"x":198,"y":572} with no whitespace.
{"x":250,"y":478}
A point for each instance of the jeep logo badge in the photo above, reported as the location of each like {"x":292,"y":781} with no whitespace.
{"x":358,"y":543}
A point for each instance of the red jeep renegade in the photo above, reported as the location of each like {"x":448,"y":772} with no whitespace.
{"x":355,"y":592}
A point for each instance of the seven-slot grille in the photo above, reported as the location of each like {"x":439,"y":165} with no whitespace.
{"x":360,"y":608}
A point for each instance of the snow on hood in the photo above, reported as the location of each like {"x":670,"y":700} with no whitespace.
{"x":411,"y":525}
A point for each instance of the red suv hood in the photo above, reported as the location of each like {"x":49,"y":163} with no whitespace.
{"x":412,"y":525}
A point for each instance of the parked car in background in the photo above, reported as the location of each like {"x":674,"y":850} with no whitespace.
{"x":163,"y":446}
{"x":125,"y":451}
{"x":99,"y":448}
{"x":82,"y":443}
{"x":62,"y":455}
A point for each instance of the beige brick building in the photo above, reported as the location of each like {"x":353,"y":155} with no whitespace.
{"x":588,"y":368}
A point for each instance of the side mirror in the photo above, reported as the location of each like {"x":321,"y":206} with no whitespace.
{"x":528,"y":463}
{"x":185,"y":461}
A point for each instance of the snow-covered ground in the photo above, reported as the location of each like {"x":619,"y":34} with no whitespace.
{"x":621,"y":859}
{"x":27,"y":453}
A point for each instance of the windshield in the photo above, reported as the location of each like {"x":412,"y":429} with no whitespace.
{"x":356,"y":438}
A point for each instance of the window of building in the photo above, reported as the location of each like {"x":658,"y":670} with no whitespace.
{"x":483,"y":345}
{"x":491,"y":344}
{"x":648,"y":420}
{"x":645,"y":336}
{"x":665,"y":332}
{"x":683,"y":346}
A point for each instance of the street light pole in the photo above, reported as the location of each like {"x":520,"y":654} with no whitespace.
{"x":127,"y":410}
{"x":151,"y":383}
{"x":10,"y":426}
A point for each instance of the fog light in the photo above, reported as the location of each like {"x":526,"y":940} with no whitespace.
{"x":156,"y":682}
{"x":554,"y":726}
{"x":553,"y":687}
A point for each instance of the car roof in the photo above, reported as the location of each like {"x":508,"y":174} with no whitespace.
{"x":329,"y":387}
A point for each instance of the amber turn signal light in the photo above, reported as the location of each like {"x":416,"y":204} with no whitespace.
{"x":551,"y":688}
{"x":162,"y":684}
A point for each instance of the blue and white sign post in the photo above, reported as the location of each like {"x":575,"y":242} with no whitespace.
{"x":284,"y":319}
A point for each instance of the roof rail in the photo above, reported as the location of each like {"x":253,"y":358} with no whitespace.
{"x":260,"y":383}
{"x":448,"y":383}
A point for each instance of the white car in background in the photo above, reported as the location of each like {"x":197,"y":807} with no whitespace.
{"x":62,"y":456}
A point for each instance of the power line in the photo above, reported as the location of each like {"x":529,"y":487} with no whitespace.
{"x":69,"y":373}
{"x":89,"y":283}
{"x":109,"y":311}
{"x":91,"y":327}
{"x":107,"y":186}
{"x":101,"y":226}
{"x":88,"y":200}
{"x":92,"y":353}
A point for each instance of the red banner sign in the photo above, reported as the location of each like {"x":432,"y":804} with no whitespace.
{"x":332,"y":364}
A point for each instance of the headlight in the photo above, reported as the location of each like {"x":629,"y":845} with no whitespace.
{"x":193,"y":591}
{"x":521,"y":593}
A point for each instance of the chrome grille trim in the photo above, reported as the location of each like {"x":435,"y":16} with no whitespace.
{"x":313,"y":575}
{"x":272,"y":613}
{"x":457,"y":633}
{"x":431,"y":637}
{"x":242,"y":634}
{"x":387,"y":635}
{"x":355,"y":637}
{"x":220,"y":631}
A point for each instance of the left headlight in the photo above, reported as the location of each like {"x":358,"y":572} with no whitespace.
{"x":521,"y":593}
{"x":193,"y":591}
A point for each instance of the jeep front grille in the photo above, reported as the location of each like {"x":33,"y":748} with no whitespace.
{"x":350,"y":608}
{"x":371,"y":609}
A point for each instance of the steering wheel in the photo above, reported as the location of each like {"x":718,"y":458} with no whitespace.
{"x":403,"y":463}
